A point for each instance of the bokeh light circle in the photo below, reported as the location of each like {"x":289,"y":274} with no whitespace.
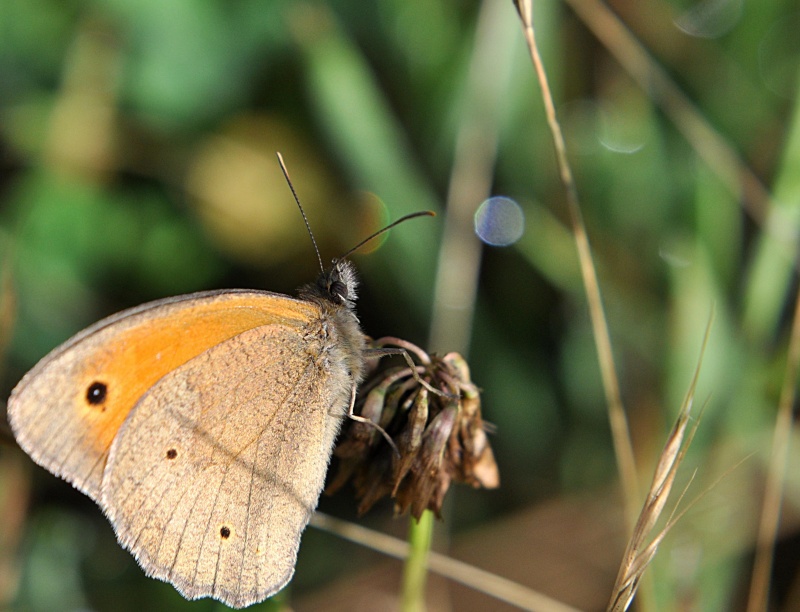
{"x":499,"y":221}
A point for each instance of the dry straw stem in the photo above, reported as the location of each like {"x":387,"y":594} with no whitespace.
{"x":463,"y":573}
{"x":734,"y":173}
{"x":639,"y":552}
{"x":776,"y":475}
{"x":619,"y":423}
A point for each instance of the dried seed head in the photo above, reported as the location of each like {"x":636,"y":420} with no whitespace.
{"x":441,"y":438}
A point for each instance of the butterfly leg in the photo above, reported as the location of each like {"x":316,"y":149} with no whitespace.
{"x":384,"y":351}
{"x":360,"y":419}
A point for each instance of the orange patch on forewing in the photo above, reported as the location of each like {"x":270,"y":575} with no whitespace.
{"x":132,"y":360}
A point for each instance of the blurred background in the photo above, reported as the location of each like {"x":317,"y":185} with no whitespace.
{"x":138,"y":161}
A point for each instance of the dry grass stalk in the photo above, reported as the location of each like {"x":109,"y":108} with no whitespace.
{"x":496,"y":586}
{"x":641,"y":547}
{"x":758,"y":598}
{"x":616,"y":412}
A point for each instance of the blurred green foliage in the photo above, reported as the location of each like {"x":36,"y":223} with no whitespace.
{"x":138,"y":145}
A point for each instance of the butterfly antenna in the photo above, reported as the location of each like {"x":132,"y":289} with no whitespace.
{"x":422,"y":213}
{"x":302,"y":212}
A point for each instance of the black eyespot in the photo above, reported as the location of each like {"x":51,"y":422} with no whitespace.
{"x":97,"y":393}
{"x":172,"y":453}
{"x":225,"y":533}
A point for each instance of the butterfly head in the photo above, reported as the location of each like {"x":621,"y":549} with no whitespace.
{"x":338,"y":284}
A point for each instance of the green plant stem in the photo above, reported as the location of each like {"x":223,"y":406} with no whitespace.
{"x":415,"y":574}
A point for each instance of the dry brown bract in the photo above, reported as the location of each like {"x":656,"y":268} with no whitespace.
{"x":440,"y":438}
